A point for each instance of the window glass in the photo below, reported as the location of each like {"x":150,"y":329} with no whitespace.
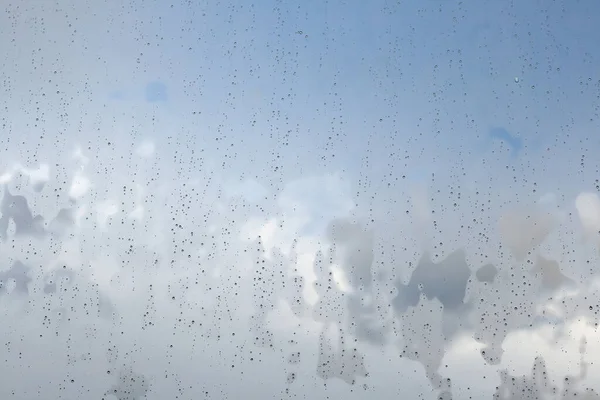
{"x":299,"y":199}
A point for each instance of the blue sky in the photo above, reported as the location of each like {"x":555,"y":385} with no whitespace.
{"x":432,"y":80}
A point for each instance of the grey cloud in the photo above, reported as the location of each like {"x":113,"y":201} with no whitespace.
{"x":500,"y":307}
{"x":338,"y":358}
{"x":445,"y":281}
{"x":16,"y":208}
{"x":423,"y":339}
{"x":20,"y":274}
{"x":354,"y":245}
{"x":63,"y":222}
{"x":552,"y":278}
{"x":486,"y":273}
{"x":57,"y":277}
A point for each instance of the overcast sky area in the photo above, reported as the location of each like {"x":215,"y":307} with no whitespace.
{"x":299,"y":199}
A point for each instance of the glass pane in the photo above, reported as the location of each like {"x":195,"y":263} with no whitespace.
{"x":299,"y":200}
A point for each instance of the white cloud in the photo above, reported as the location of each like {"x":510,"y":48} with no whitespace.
{"x":79,"y":186}
{"x":105,"y":210}
{"x":138,"y":211}
{"x":37,"y":176}
{"x":340,"y":279}
{"x":79,"y":156}
{"x":146,"y":149}
{"x":588,"y":209}
{"x":317,"y":199}
{"x":305,"y":207}
{"x":249,"y":189}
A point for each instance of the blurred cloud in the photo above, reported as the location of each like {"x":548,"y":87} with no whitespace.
{"x":37,"y":177}
{"x":146,"y":149}
{"x":311,"y":263}
{"x":588,"y":210}
{"x":79,"y":186}
{"x":524,"y":229}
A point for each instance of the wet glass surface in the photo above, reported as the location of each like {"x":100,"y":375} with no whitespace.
{"x":299,"y":200}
